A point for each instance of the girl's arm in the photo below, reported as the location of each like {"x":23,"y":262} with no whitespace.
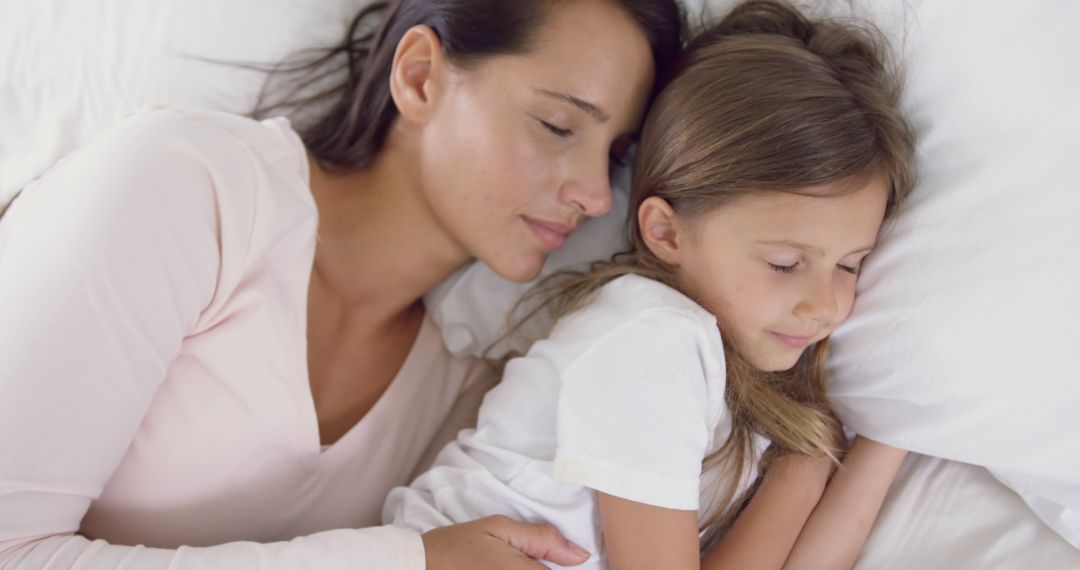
{"x":637,"y":535}
{"x":764,"y":533}
{"x":839,"y":525}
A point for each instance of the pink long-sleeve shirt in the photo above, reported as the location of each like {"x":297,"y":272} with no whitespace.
{"x":153,"y":365}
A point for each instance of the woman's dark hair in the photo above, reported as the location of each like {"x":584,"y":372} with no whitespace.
{"x":356,"y":110}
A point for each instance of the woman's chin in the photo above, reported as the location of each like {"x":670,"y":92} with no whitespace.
{"x":518,"y":268}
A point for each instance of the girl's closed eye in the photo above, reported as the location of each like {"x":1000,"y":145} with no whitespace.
{"x":779,"y":268}
{"x":853,"y":264}
{"x":782,"y":268}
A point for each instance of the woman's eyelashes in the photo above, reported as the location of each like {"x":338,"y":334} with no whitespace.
{"x":616,"y":157}
{"x":557,"y":131}
{"x":619,"y":149}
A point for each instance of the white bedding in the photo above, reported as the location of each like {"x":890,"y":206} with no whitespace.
{"x":947,"y":515}
{"x":71,"y":68}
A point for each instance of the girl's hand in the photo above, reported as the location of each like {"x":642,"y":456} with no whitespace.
{"x":497,"y":543}
{"x":809,"y":474}
{"x":764,"y":533}
{"x":838,"y":528}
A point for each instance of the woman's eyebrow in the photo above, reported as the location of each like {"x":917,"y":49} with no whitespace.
{"x":586,"y":106}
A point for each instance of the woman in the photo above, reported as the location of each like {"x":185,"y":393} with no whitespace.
{"x":214,"y":343}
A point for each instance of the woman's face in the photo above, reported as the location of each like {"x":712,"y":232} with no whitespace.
{"x":778,"y":270}
{"x":518,"y":151}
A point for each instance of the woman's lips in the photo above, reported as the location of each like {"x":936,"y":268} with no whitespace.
{"x":551,"y":234}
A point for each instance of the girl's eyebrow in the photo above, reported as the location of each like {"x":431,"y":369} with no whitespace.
{"x":810,"y":248}
{"x":586,"y":106}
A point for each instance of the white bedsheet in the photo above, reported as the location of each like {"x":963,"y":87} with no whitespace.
{"x":946,"y":515}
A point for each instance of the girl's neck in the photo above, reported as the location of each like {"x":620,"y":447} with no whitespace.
{"x":379,"y":247}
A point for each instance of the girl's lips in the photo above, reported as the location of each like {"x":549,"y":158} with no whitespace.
{"x":792,"y":341}
{"x":551,"y":234}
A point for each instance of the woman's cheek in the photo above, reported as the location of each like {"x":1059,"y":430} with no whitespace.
{"x":529,"y":170}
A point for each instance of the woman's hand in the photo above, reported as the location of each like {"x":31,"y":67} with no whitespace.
{"x":498,"y":543}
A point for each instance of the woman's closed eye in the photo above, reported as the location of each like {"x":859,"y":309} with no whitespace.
{"x":557,"y":131}
{"x":854,"y":270}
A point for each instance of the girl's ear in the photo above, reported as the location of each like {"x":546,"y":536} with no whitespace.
{"x":660,"y":229}
{"x":417,"y":70}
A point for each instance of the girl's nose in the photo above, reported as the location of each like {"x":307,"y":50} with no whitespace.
{"x":819,"y":302}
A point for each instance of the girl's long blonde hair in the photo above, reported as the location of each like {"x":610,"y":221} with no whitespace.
{"x":763,"y":101}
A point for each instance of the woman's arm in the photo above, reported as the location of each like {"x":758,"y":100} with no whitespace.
{"x":642,"y":536}
{"x":764,"y":533}
{"x":839,"y":525}
{"x":105,"y":263}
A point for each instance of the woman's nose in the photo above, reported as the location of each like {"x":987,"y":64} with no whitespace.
{"x":589,"y":190}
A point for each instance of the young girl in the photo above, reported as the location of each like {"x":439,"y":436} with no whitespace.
{"x":687,"y":375}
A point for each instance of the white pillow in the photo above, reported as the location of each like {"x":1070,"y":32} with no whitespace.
{"x":71,"y":69}
{"x":967,"y":314}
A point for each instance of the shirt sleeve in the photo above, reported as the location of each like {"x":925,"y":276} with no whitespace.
{"x":106,"y":263}
{"x":633,"y":413}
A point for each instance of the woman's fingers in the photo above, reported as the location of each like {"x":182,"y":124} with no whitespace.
{"x":541,"y":541}
{"x":498,"y":543}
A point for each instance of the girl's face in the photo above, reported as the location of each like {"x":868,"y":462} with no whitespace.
{"x":778,"y":270}
{"x":518,"y":152}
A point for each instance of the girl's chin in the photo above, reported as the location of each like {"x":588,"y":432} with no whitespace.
{"x":777,"y":363}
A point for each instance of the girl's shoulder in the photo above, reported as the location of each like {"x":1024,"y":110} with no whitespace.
{"x":633,"y":295}
{"x":636,"y":311}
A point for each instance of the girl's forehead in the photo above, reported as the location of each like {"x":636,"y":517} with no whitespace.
{"x":814,"y":218}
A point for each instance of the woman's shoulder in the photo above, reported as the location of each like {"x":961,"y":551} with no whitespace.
{"x":270,"y":140}
{"x":245,"y":166}
{"x":166,"y":175}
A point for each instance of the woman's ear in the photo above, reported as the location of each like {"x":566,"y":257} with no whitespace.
{"x":660,"y":229}
{"x":414,"y":77}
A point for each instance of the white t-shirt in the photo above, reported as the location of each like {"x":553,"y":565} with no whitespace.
{"x":153,"y":365}
{"x":626,"y":396}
